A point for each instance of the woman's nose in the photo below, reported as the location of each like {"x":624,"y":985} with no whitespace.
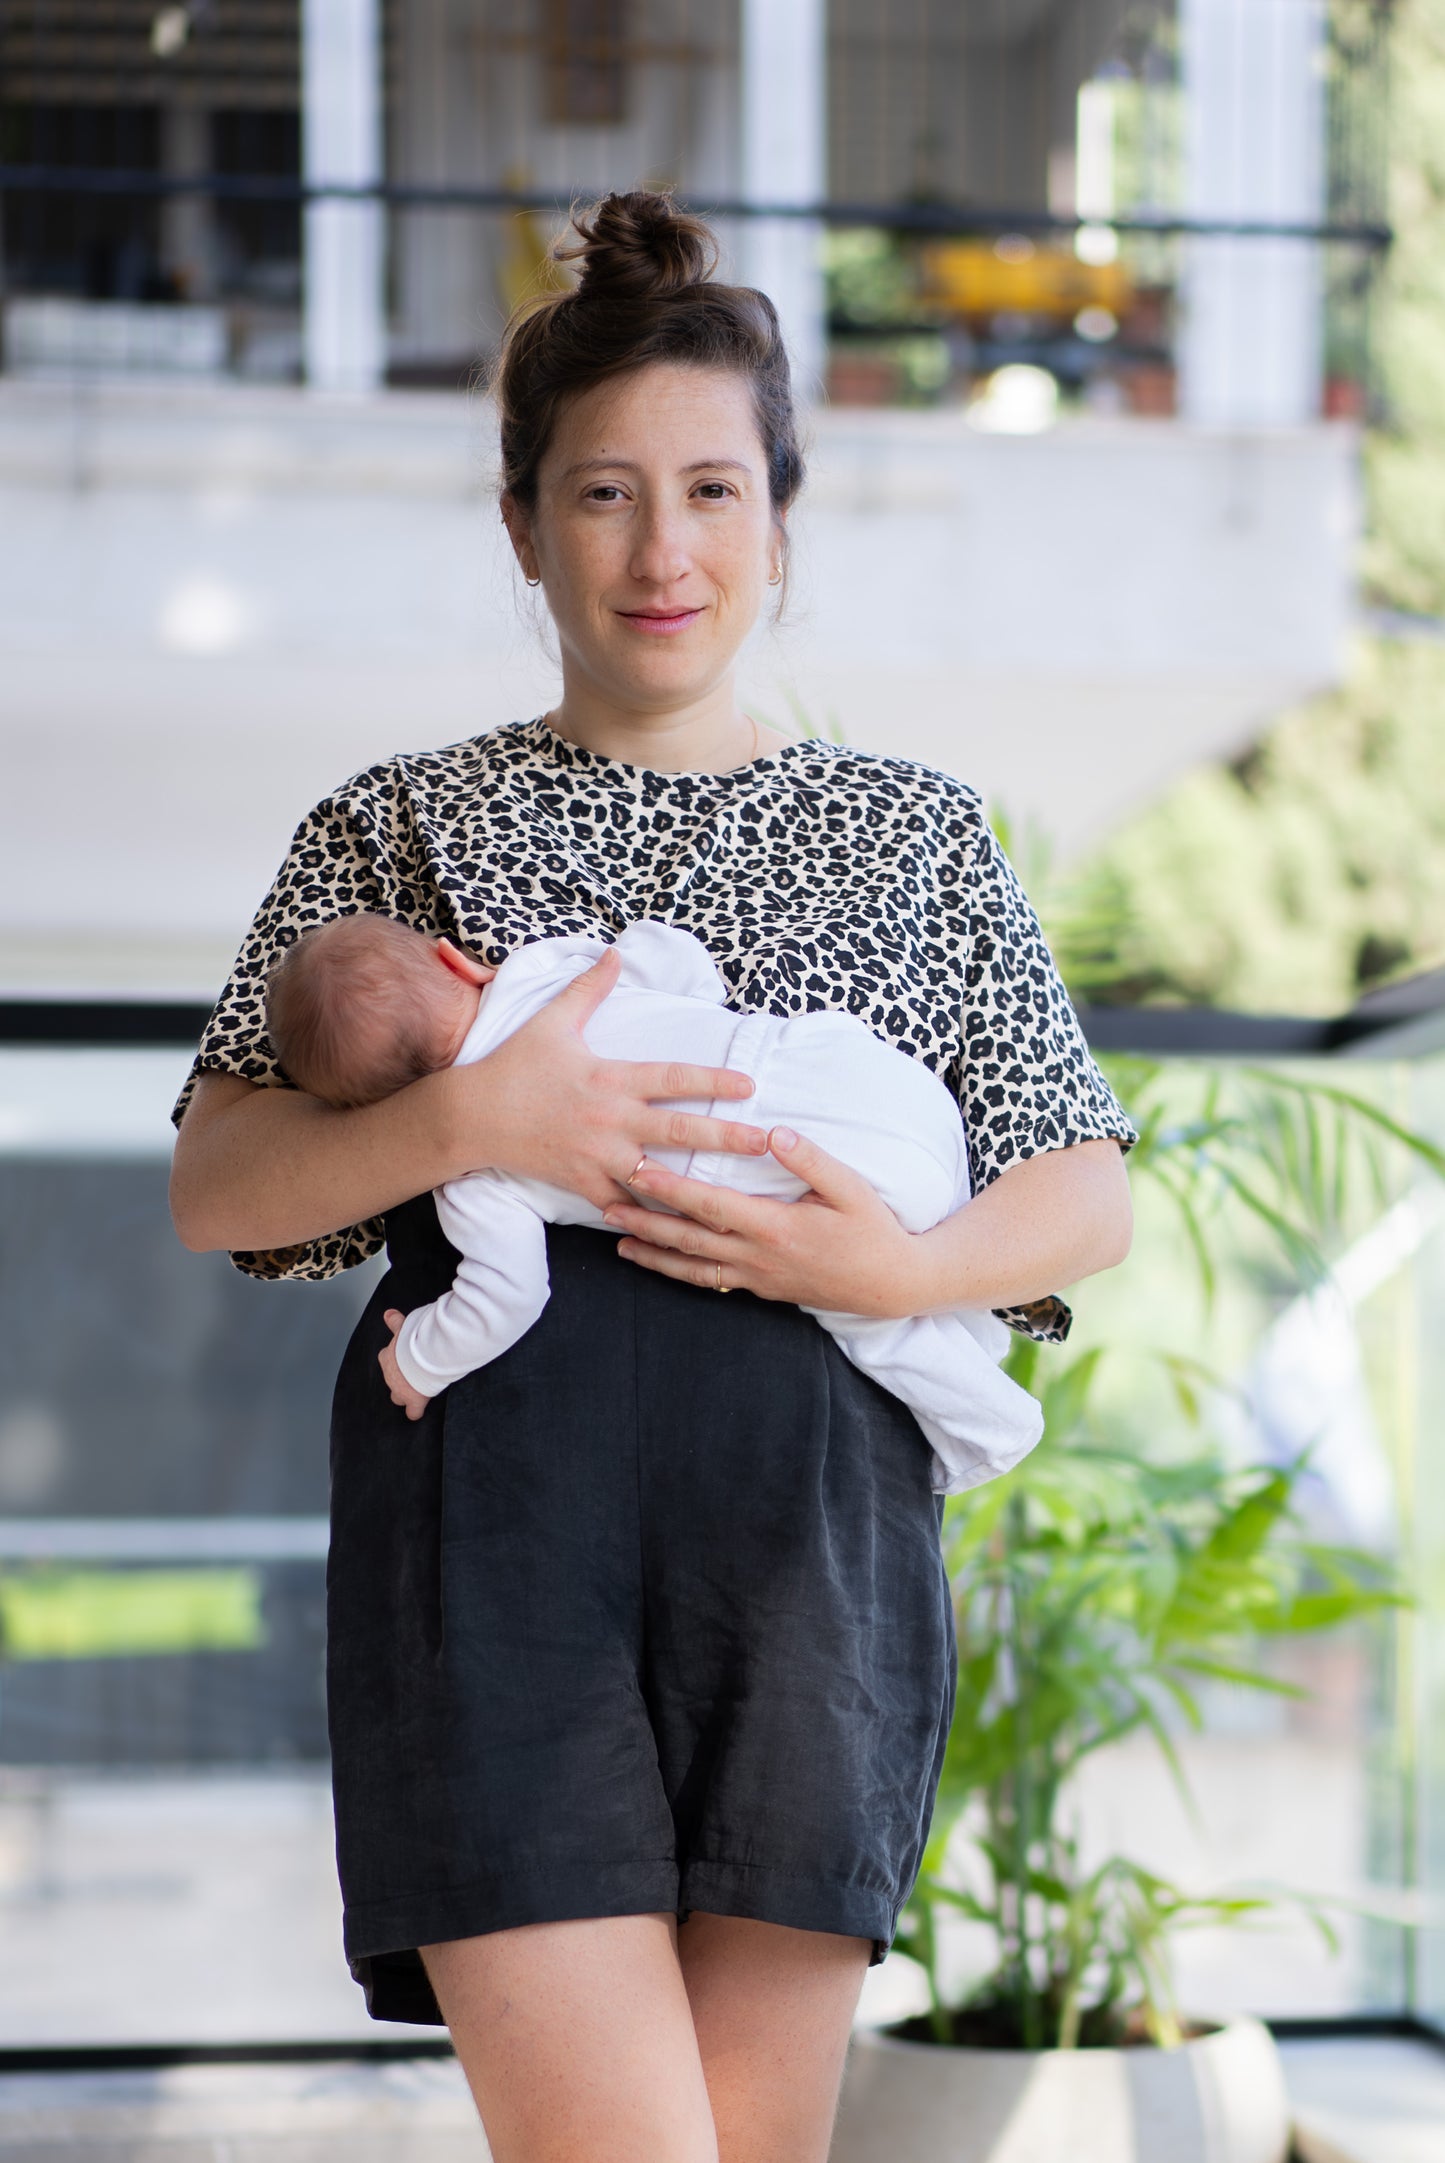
{"x":659,"y":554}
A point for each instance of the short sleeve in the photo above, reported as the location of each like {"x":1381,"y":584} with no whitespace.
{"x":329,"y":870}
{"x":1026,"y":1079}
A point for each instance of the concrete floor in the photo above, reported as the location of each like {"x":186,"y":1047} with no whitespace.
{"x":1359,"y":2101}
{"x":1372,"y":2101}
{"x":410,"y":2112}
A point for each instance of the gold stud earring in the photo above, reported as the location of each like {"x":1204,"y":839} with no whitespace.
{"x":777,"y":575}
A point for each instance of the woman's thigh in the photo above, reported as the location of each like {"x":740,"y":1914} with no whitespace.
{"x":627,"y":2039}
{"x":772,"y":2009}
{"x":577,"y":2041}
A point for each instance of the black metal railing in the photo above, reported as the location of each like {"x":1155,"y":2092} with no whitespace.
{"x":1403,"y":1020}
{"x":113,"y":136}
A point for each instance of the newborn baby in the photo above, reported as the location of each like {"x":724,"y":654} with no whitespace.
{"x":364,"y":1005}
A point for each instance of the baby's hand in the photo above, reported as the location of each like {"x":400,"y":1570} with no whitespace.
{"x":411,"y":1400}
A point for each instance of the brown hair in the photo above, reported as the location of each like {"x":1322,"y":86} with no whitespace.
{"x":353,"y":1009}
{"x":646,"y":293}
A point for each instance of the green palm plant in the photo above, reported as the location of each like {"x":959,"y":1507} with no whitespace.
{"x":1094,"y":1595}
{"x":1097,"y":1592}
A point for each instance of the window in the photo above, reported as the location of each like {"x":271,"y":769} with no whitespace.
{"x":586,"y":63}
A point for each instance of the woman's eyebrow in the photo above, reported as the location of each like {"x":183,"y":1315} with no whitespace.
{"x":629,"y":465}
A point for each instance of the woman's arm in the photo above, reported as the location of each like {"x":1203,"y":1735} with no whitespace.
{"x":1051,"y":1220}
{"x":263,"y":1168}
{"x":1054,"y":1219}
{"x":267,"y":1168}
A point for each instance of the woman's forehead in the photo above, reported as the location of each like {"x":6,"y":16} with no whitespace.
{"x":665,"y":414}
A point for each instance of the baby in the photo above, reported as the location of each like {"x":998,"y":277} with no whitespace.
{"x":364,"y":1005}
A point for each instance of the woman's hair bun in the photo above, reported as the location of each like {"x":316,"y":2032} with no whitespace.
{"x":638,"y":247}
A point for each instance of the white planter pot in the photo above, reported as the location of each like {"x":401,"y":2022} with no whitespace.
{"x":1218,"y":2099}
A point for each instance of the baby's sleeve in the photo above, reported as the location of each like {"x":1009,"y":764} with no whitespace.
{"x":332,"y":868}
{"x":1025,"y":1078}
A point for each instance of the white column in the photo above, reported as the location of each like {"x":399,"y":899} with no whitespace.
{"x":188,"y":241}
{"x":1251,"y":343}
{"x":785,"y":160}
{"x":345,"y":326}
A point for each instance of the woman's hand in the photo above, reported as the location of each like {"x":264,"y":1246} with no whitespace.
{"x":263,"y":1168}
{"x":838,"y":1248}
{"x":551,"y":1109}
{"x":1042,"y":1224}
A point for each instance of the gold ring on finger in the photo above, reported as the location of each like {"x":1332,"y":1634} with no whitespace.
{"x":637,"y":1167}
{"x":720,"y":1285}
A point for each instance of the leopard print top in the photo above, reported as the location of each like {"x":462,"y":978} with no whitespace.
{"x":818,"y":877}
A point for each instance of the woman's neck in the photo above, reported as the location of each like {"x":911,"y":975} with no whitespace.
{"x":708,"y":735}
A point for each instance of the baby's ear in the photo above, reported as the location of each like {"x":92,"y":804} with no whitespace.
{"x":462,"y":965}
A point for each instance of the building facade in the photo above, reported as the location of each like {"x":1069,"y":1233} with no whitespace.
{"x":1076,"y":290}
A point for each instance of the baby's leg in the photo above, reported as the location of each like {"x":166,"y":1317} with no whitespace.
{"x":946,"y":1371}
{"x":500,"y":1287}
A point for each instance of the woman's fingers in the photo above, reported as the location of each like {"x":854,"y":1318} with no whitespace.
{"x":679,"y":1235}
{"x":583,"y":1122}
{"x":827,"y":1177}
{"x":684,"y":1269}
{"x":723,"y":1208}
{"x":655,"y":1079}
{"x":720,"y":1209}
{"x":691,"y":1131}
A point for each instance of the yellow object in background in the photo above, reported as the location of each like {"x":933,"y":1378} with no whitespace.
{"x":48,"y":1614}
{"x":1013,"y":277}
{"x":527,"y":268}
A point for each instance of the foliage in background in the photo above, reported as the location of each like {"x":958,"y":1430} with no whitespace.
{"x":873,"y":309}
{"x":871,"y":284}
{"x":1313,"y":867}
{"x":58,"y":1614}
{"x":1405,"y":550}
{"x":1096,"y":1591}
{"x":1095,"y":1594}
{"x":1298,"y":876}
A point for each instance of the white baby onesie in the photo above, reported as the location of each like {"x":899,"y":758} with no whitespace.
{"x":825,"y":1075}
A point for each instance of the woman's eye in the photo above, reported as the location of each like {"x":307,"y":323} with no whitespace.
{"x":714,"y":491}
{"x":604,"y":492}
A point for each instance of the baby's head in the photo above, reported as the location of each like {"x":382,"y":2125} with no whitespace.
{"x":361,"y":1006}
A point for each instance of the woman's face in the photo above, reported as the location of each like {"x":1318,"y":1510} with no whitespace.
{"x":653,"y":534}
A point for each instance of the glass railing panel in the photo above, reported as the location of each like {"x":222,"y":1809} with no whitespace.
{"x":166,"y":1869}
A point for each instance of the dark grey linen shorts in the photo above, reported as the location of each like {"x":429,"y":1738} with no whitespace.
{"x":649,"y":1615}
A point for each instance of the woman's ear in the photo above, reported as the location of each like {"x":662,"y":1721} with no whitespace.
{"x":778,"y":573}
{"x":519,"y":533}
{"x":462,"y":965}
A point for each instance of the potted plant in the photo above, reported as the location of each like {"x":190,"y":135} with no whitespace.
{"x":1095,"y":1592}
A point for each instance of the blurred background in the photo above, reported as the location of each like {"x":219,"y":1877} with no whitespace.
{"x":1120,"y":325}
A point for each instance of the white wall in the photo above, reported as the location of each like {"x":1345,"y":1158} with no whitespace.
{"x":215,"y":604}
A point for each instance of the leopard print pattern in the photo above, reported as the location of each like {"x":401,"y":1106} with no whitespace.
{"x":818,"y":878}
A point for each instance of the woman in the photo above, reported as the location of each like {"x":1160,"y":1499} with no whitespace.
{"x":641,"y":1656}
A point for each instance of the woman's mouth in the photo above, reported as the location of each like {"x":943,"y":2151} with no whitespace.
{"x":659,"y":623}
